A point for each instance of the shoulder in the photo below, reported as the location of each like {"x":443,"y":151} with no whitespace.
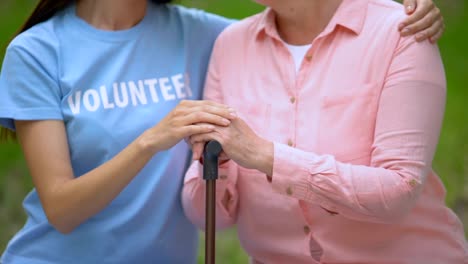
{"x":39,"y":42}
{"x":385,"y":15}
{"x":383,"y":18}
{"x":417,"y":58}
{"x":381,"y":27}
{"x":245,"y":28}
{"x":197,"y":15}
{"x":386,"y":7}
{"x":199,"y":20}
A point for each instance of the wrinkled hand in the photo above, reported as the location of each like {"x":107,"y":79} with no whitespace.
{"x":241,"y":144}
{"x":186,"y":119}
{"x":425,"y":20}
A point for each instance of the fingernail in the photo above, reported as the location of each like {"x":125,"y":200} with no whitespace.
{"x":405,"y":31}
{"x":419,"y":37}
{"x":401,"y":26}
{"x":226,"y":121}
{"x":210,"y":127}
{"x":409,"y":8}
{"x":232,"y":112}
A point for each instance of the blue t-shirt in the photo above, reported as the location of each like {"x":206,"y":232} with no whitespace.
{"x":108,"y":87}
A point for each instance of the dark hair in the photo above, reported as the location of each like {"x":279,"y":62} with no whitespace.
{"x":44,"y":10}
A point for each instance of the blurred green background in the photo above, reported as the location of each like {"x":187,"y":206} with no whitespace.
{"x":451,"y":161}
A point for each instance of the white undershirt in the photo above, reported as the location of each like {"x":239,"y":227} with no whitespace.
{"x":298,"y":53}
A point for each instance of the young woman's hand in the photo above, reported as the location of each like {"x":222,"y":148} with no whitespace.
{"x":188,"y":118}
{"x":425,"y":20}
{"x":68,"y":200}
{"x":241,"y":144}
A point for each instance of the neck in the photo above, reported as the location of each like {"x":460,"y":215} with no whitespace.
{"x":111,"y":14}
{"x":300,"y":22}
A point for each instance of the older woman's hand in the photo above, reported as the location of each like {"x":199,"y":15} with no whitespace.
{"x":241,"y":144}
{"x":197,"y":151}
{"x":425,"y":20}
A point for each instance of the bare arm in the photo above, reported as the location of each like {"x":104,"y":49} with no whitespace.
{"x":69,"y":201}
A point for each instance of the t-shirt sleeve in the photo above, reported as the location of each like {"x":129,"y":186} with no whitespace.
{"x":29,"y":89}
{"x":203,"y":27}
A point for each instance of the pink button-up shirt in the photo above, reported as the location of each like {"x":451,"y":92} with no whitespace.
{"x":354,"y":133}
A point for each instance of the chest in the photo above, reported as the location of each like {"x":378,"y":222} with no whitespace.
{"x":328,"y":107}
{"x":111,"y":97}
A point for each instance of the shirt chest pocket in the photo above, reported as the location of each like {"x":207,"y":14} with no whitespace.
{"x":347,"y":123}
{"x":257,"y":115}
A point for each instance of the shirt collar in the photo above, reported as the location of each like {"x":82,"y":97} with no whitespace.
{"x":351,"y":14}
{"x":266,"y":23}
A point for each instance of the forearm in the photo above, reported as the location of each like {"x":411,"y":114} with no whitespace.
{"x":382,"y":192}
{"x":369,"y":193}
{"x":76,"y":200}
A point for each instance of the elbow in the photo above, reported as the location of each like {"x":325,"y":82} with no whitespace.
{"x":194,"y":209}
{"x":193,"y":212}
{"x":394,"y":215}
{"x":196,"y":217}
{"x":63,"y":229}
{"x":394,"y":199}
{"x":396,"y":207}
{"x":61,"y":226}
{"x":59,"y":221}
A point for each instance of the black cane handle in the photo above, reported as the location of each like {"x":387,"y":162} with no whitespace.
{"x":210,"y":160}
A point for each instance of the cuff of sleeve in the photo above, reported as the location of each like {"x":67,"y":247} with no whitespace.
{"x":295,"y":171}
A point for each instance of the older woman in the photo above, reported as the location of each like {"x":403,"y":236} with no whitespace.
{"x":330,"y":158}
{"x":96,"y":92}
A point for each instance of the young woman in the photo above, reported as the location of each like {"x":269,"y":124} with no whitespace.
{"x":330,"y":157}
{"x":99,"y":94}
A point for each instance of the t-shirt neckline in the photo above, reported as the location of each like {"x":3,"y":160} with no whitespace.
{"x":107,"y":35}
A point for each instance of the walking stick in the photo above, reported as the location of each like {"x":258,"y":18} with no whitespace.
{"x":210,"y":175}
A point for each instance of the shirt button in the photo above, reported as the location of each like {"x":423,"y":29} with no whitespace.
{"x":292,"y":99}
{"x":413,"y":183}
{"x":306,"y":230}
{"x":289,"y":191}
{"x":308,"y":58}
{"x":290,"y":143}
{"x":223,"y":177}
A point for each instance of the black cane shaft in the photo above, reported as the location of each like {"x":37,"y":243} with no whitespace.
{"x":210,"y":174}
{"x":210,"y":222}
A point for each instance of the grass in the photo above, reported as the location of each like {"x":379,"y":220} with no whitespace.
{"x":451,"y":160}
